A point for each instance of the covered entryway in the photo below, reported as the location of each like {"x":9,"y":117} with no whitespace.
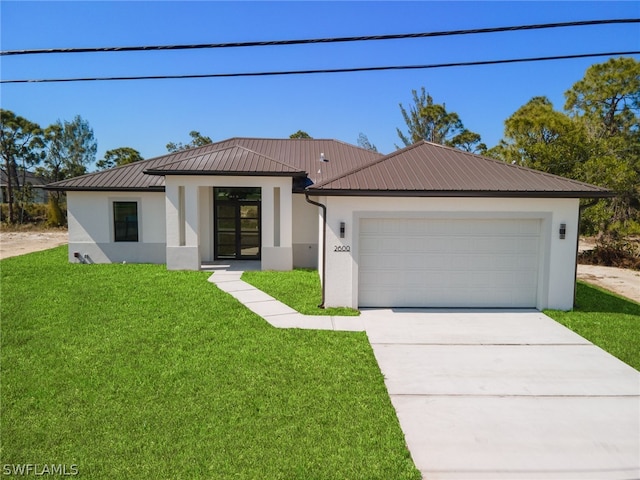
{"x":237,"y":223}
{"x":448,"y":262}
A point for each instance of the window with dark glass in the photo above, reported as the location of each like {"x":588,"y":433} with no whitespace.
{"x":125,"y":221}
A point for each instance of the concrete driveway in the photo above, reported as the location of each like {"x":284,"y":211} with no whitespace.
{"x":506,"y":395}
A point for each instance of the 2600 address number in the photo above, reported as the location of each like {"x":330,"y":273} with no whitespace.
{"x":342,"y":248}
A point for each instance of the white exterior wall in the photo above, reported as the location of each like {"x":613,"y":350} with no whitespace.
{"x":90,"y":218}
{"x":189,"y":252}
{"x":557,"y":257}
{"x":305,"y":233}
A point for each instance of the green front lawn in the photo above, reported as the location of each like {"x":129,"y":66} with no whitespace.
{"x":609,"y":321}
{"x":300,"y":289}
{"x":133,"y":371}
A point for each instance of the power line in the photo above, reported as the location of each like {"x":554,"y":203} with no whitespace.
{"x":322,"y":40}
{"x":332,"y":70}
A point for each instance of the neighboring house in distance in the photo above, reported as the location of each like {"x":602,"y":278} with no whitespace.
{"x":37,"y":184}
{"x":425,"y":226}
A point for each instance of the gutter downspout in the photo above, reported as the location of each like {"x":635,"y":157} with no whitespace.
{"x":581,"y":208}
{"x":324,"y":243}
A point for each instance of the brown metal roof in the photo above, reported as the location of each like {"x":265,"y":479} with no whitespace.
{"x":422,"y":169}
{"x":126,"y":178}
{"x":232,"y":160}
{"x":304,"y":154}
{"x":250,"y":156}
{"x":428,"y":169}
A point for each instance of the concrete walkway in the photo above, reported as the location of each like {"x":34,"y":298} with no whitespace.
{"x":491,"y":394}
{"x":277,"y":313}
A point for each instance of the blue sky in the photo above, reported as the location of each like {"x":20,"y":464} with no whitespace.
{"x":148,"y":114}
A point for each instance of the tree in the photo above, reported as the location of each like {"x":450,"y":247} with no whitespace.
{"x":606,"y":103}
{"x":468,"y":141}
{"x":596,"y":140}
{"x":197,"y":140}
{"x":300,"y":134}
{"x":363,"y":142}
{"x":430,"y":121}
{"x":608,"y":97}
{"x":21,"y":146}
{"x":537,"y":136}
{"x":71,"y":146}
{"x":118,"y":157}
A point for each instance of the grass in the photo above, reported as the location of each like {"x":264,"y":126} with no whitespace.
{"x":300,"y":289}
{"x":133,"y":371}
{"x":607,"y":320}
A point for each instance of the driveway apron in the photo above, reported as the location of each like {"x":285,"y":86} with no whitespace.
{"x":506,"y":395}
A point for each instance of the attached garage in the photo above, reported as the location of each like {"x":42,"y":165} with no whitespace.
{"x":435,"y":227}
{"x":448,"y":262}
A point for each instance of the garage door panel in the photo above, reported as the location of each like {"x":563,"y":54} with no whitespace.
{"x":528,"y":245}
{"x":449,"y":262}
{"x":528,"y":262}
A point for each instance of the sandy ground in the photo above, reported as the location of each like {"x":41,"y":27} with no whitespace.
{"x":622,"y":281}
{"x":19,"y":243}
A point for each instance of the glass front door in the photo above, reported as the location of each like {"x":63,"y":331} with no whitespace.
{"x":237,"y":224}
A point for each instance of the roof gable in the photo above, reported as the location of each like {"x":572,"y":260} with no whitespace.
{"x":429,"y":169}
{"x":232,"y":160}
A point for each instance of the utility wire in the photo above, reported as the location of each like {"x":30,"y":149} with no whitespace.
{"x":332,"y":70}
{"x":322,"y":40}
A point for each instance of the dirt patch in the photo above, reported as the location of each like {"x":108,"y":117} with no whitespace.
{"x":19,"y":243}
{"x":619,"y":280}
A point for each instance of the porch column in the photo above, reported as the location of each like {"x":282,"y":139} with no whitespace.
{"x":267,"y":223}
{"x":286,"y":217}
{"x":277,"y":210}
{"x":172,"y":213}
{"x":183,"y":252}
{"x":192,"y":218}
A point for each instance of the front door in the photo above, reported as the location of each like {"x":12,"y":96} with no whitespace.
{"x":237,"y":224}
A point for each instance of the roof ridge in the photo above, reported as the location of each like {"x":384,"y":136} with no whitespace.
{"x":190,"y":150}
{"x":235,"y":145}
{"x":267,"y":156}
{"x":367,"y":165}
{"x":357,"y":146}
{"x":237,"y":141}
{"x":289,"y":139}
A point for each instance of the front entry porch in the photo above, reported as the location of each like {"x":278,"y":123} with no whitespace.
{"x":211,"y":218}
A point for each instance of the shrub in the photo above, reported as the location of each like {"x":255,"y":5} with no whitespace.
{"x":612,"y":252}
{"x":55,"y":217}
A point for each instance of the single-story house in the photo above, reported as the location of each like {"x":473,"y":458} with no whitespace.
{"x":26,"y":178}
{"x":425,"y":226}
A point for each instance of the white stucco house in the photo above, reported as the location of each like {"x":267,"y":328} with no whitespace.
{"x":425,"y":226}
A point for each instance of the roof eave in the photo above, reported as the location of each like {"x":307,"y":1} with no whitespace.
{"x":104,"y":189}
{"x":164,"y":173}
{"x":460,"y":193}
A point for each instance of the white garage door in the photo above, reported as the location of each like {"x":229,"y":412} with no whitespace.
{"x":408,"y":262}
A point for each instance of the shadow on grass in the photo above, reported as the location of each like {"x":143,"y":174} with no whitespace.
{"x":594,"y":299}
